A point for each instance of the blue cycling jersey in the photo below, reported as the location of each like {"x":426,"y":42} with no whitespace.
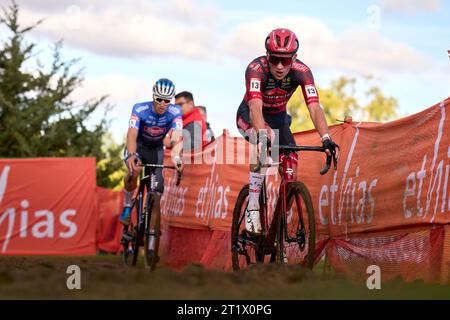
{"x":152,"y":127}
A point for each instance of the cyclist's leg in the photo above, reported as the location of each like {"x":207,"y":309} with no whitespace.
{"x":155,"y":155}
{"x":256,"y":178}
{"x":158,"y":158}
{"x":130,"y":184}
{"x":286,"y":138}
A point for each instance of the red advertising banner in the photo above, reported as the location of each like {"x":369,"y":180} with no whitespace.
{"x":109,"y":229}
{"x":388,"y":202}
{"x":391,"y":175}
{"x":48,"y":206}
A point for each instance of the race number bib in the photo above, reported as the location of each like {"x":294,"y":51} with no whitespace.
{"x":255,"y":85}
{"x":310,"y":91}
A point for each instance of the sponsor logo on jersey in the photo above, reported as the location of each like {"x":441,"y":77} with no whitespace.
{"x":300,"y":67}
{"x":255,"y":66}
{"x":286,"y":83}
{"x":154,"y":131}
{"x":275,"y":93}
{"x":140,"y":109}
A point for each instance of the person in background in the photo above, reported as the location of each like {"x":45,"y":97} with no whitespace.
{"x":194,"y":124}
{"x":209,"y":133}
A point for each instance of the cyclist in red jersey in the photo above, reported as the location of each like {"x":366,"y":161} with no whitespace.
{"x":271,"y":80}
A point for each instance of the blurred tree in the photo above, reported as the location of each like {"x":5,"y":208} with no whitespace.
{"x":339,"y":101}
{"x":38,"y":117}
{"x":111,"y":169}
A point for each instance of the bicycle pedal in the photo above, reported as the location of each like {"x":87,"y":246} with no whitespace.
{"x":126,"y":237}
{"x":124,"y":242}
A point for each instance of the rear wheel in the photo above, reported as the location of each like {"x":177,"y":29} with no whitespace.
{"x":245,"y":250}
{"x":153,"y":233}
{"x":297,"y":245}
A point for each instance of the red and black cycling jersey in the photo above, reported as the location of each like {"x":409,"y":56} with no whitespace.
{"x":275,"y":94}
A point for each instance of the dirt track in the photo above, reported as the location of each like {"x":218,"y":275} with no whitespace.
{"x":103,"y":277}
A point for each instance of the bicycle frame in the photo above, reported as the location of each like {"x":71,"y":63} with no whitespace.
{"x":147,"y":181}
{"x":269,"y":231}
{"x":277,"y":234}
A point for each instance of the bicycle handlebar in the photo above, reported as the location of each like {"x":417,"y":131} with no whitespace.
{"x":325,"y":169}
{"x":179,"y":173}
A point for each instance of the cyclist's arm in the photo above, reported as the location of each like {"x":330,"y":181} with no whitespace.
{"x":132,"y":134}
{"x":166,"y":142}
{"x":176,"y":144}
{"x":132,"y":140}
{"x":132,"y":148}
{"x":311,"y":97}
{"x":256,"y":115}
{"x":318,"y":118}
{"x":176,"y":137}
{"x":253,"y":84}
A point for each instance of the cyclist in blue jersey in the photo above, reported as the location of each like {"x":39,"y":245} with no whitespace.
{"x":150,"y":122}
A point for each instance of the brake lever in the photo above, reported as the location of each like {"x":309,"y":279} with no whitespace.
{"x":327,"y":166}
{"x":335,"y":160}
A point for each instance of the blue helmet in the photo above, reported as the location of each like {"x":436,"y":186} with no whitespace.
{"x":164,"y":88}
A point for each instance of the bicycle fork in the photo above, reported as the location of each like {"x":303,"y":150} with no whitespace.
{"x":300,"y":232}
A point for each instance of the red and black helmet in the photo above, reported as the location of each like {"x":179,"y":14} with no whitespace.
{"x":282,"y":41}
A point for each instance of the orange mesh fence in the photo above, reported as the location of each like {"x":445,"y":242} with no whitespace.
{"x":411,"y":255}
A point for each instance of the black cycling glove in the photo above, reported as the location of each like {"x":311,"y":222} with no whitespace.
{"x":330,"y":145}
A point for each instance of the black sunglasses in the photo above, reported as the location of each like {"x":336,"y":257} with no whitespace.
{"x":161,"y":100}
{"x":285,"y":61}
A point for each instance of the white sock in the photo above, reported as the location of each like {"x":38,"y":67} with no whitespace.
{"x":128,"y":197}
{"x":256,"y":181}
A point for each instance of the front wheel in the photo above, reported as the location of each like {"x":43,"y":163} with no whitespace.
{"x":296,"y":243}
{"x":245,"y":250}
{"x":153,"y":233}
